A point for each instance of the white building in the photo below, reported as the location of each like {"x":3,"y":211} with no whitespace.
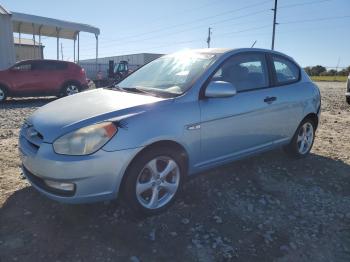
{"x":134,"y":61}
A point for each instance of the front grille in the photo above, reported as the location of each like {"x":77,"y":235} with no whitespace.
{"x":39,"y":182}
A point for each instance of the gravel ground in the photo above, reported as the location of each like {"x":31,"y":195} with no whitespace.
{"x":265,"y":208}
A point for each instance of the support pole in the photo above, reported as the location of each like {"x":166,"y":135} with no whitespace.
{"x":75,"y":39}
{"x":274,"y":26}
{"x":74,"y":51}
{"x":78,"y":47}
{"x":20,"y":41}
{"x":40,"y":45}
{"x":33,"y":40}
{"x":58,"y":42}
{"x":96,"y":36}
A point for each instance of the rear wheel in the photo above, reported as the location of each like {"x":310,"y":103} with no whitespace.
{"x":70,"y":89}
{"x":153,"y":180}
{"x":303,"y":139}
{"x":3,"y":94}
{"x":348,"y":99}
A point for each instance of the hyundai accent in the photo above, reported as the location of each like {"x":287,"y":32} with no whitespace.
{"x":176,"y":116}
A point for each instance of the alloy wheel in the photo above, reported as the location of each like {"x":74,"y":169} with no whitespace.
{"x":305,"y":138}
{"x":158,"y":182}
{"x":71,"y":90}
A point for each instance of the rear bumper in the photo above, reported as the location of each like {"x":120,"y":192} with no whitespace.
{"x":347,"y":94}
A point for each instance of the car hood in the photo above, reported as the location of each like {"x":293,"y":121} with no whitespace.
{"x":73,"y":112}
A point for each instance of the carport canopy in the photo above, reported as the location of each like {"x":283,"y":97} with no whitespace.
{"x":44,"y":26}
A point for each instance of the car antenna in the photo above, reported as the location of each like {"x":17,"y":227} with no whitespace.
{"x":254,"y":44}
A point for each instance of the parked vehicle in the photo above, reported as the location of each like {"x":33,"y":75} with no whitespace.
{"x":42,"y":78}
{"x":176,"y":116}
{"x":121,"y":70}
{"x":347,"y":94}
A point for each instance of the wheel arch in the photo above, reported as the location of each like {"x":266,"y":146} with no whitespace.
{"x":313,"y":117}
{"x":5,"y":86}
{"x":162,"y":143}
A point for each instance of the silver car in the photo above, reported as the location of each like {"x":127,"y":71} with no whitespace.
{"x":176,"y":116}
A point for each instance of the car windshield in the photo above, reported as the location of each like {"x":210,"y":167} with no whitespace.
{"x":169,"y":75}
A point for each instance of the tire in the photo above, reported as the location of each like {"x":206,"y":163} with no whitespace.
{"x":303,"y":139}
{"x":3,"y":94}
{"x":348,"y":99}
{"x":145,"y":189}
{"x":70,"y":89}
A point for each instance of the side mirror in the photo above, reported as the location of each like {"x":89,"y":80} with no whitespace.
{"x":217,"y":89}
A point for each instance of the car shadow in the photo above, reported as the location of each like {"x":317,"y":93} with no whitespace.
{"x":35,"y":228}
{"x":26,"y":102}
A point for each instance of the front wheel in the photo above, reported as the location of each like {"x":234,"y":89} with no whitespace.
{"x":303,"y":140}
{"x":2,"y":94}
{"x":153,"y":181}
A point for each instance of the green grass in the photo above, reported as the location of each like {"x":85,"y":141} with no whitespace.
{"x":329,"y":78}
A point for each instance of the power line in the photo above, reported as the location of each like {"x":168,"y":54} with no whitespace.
{"x":199,"y":40}
{"x":193,"y":28}
{"x":234,"y":18}
{"x":213,"y":23}
{"x":189,"y":22}
{"x":315,"y":19}
{"x":305,"y":3}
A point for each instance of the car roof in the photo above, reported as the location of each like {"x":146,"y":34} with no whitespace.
{"x":44,"y":60}
{"x":222,"y":51}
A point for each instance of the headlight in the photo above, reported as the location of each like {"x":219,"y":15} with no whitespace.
{"x":86,"y":140}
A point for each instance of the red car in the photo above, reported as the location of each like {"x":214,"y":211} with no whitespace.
{"x":42,"y":78}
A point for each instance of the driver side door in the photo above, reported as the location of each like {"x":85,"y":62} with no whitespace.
{"x":235,"y":126}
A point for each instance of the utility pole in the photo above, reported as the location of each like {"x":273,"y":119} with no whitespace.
{"x":61,"y":51}
{"x":274,"y":25}
{"x":209,"y":36}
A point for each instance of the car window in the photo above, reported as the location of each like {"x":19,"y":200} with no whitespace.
{"x":245,"y":71}
{"x":286,"y":71}
{"x":170,"y":74}
{"x":49,"y":65}
{"x":23,"y":67}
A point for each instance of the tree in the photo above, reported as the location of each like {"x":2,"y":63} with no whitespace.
{"x":317,"y":70}
{"x":308,"y":70}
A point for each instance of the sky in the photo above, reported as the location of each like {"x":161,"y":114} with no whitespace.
{"x":311,"y":31}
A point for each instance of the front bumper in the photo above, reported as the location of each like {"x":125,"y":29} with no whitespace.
{"x":96,"y":177}
{"x":347,"y":94}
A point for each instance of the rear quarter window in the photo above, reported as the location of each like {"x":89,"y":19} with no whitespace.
{"x":286,"y":70}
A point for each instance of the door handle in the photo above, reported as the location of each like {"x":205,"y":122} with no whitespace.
{"x":270,"y":99}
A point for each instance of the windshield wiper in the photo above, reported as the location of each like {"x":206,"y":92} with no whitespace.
{"x":138,"y":90}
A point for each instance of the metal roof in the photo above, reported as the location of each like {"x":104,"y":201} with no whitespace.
{"x":3,"y":11}
{"x":48,"y":26}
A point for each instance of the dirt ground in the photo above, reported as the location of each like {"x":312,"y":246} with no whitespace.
{"x":265,"y":208}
